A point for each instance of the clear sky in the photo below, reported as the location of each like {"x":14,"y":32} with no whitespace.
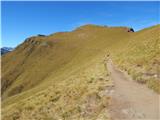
{"x":23,"y":19}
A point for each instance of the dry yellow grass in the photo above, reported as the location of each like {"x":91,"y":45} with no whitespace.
{"x":63,"y":75}
{"x":80,"y":96}
{"x":140,"y":57}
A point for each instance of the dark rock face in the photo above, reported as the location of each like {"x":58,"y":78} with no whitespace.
{"x":40,"y":35}
{"x":5,"y":50}
{"x":130,"y":30}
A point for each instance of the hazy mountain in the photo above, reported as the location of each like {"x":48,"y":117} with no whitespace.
{"x":5,"y":50}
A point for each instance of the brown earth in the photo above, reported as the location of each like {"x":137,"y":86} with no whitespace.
{"x":130,"y":100}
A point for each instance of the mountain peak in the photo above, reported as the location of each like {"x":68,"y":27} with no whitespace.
{"x":87,"y":26}
{"x":94,"y":27}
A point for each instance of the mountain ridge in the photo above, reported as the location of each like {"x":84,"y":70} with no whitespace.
{"x":74,"y":59}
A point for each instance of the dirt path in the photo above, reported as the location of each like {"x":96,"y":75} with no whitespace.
{"x":130,"y":100}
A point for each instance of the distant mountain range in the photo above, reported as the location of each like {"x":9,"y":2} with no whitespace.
{"x":5,"y":50}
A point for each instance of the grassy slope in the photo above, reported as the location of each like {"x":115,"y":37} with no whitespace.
{"x":140,"y":57}
{"x":79,"y":96}
{"x":72,"y":62}
{"x":54,"y":53}
{"x":41,"y":62}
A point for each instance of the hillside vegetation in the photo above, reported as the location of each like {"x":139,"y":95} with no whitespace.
{"x":140,"y":57}
{"x":64,"y":75}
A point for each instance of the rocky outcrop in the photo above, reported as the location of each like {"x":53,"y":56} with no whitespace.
{"x":130,"y":30}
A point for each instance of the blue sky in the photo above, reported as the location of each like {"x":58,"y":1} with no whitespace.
{"x":23,"y":19}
